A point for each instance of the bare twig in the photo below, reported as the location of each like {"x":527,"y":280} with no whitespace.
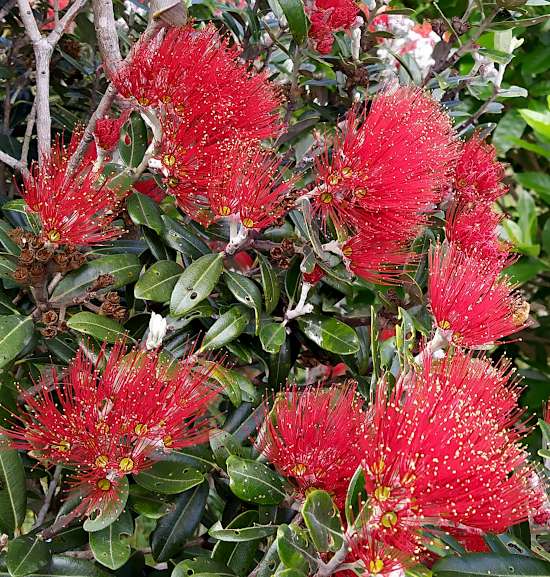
{"x":106,"y":32}
{"x":49,"y":496}
{"x":28,"y":134}
{"x":13,"y":163}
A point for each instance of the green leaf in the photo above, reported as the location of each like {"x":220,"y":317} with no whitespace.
{"x":124,"y":268}
{"x":19,"y":214}
{"x":510,"y":126}
{"x":537,"y":181}
{"x":169,"y":478}
{"x":183,"y":238}
{"x":15,"y":334}
{"x":519,"y":23}
{"x":109,"y":545}
{"x":158,"y":282}
{"x":7,"y":268}
{"x":525,"y":270}
{"x":290,"y":573}
{"x":109,"y":511}
{"x":293,"y":548}
{"x":238,"y":556}
{"x":330,"y":334}
{"x":246,"y":292}
{"x":254,"y":482}
{"x":227,"y":380}
{"x":272,"y":337}
{"x":135,"y":132}
{"x":102,"y":328}
{"x":244,"y":534}
{"x":148,"y":504}
{"x":270,"y":284}
{"x":322,"y":518}
{"x":224,"y":444}
{"x":196,"y":283}
{"x":226,"y":329}
{"x":144,"y":210}
{"x":6,"y":240}
{"x":61,"y":566}
{"x":26,"y":555}
{"x":173,"y":530}
{"x":296,"y":17}
{"x":491,"y":564}
{"x":201,"y":567}
{"x":356,"y":495}
{"x":279,"y":365}
{"x":538,"y":121}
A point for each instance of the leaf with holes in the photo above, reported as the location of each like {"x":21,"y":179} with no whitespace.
{"x":109,"y":545}
{"x":244,"y":534}
{"x":201,"y":567}
{"x":169,"y":478}
{"x":492,"y":564}
{"x":109,"y":511}
{"x":196,"y":283}
{"x":294,"y":549}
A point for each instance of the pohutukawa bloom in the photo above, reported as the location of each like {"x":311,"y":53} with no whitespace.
{"x":312,"y":436}
{"x":112,"y":422}
{"x":195,"y":74}
{"x":75,"y":208}
{"x":397,"y":157}
{"x":474,"y":230}
{"x":469,"y":299}
{"x":327,"y":17}
{"x":107,"y":131}
{"x":429,"y":462}
{"x":478,"y":175}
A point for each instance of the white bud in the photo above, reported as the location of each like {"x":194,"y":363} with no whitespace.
{"x":157,"y":331}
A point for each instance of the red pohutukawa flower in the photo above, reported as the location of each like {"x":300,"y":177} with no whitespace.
{"x":478,"y":175}
{"x":195,"y":74}
{"x":429,"y":462}
{"x":312,"y":436}
{"x":107,"y":424}
{"x":74,"y":208}
{"x":469,"y":299}
{"x":107,"y":131}
{"x":327,"y":17}
{"x":397,"y":157}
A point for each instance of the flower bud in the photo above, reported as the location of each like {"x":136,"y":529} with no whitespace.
{"x":157,"y":331}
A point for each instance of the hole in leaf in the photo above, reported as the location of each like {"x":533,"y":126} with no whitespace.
{"x":193,"y":295}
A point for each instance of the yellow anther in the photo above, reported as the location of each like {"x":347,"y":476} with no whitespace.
{"x":326,"y":197}
{"x":102,"y":461}
{"x":104,"y":484}
{"x":126,"y":464}
{"x":382,"y":493}
{"x":389,"y":519}
{"x":53,"y":235}
{"x":248,"y":223}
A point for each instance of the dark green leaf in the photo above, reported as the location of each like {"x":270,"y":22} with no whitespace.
{"x":196,"y":283}
{"x":102,"y":328}
{"x":158,"y":282}
{"x":293,"y":548}
{"x":246,"y":292}
{"x":169,"y":477}
{"x":61,"y":566}
{"x":133,"y":142}
{"x":272,"y":337}
{"x":109,"y":545}
{"x":227,"y":328}
{"x":330,"y":334}
{"x":244,"y":534}
{"x":26,"y":555}
{"x":148,"y":504}
{"x":296,"y":17}
{"x":124,"y":268}
{"x":355,"y":495}
{"x":491,"y":564}
{"x":201,"y":567}
{"x":254,"y":482}
{"x":322,"y":519}
{"x":183,"y":238}
{"x":15,"y":334}
{"x":270,"y":284}
{"x":7,"y":267}
{"x":6,"y":240}
{"x":144,"y":210}
{"x":173,"y":530}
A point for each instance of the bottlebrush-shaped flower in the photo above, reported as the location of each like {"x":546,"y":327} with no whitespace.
{"x":107,"y":131}
{"x":195,"y":74}
{"x":429,"y":462}
{"x":397,"y":157}
{"x":478,"y":175}
{"x":327,"y":17}
{"x":73,"y":208}
{"x":474,"y":230}
{"x":470,"y":300}
{"x":312,"y":436}
{"x":107,"y":424}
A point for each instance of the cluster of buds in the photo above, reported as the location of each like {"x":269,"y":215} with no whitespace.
{"x":281,"y":254}
{"x":113,"y":416}
{"x":427,"y":463}
{"x":39,"y":259}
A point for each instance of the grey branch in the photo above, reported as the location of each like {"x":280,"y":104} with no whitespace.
{"x":107,"y":38}
{"x":13,"y":163}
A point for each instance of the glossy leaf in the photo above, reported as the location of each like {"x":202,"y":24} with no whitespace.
{"x":109,"y":545}
{"x":293,"y":548}
{"x":244,"y":534}
{"x":196,"y":283}
{"x":322,"y":518}
{"x":272,"y":337}
{"x":330,"y":334}
{"x":294,"y":12}
{"x":173,"y":530}
{"x":182,"y":238}
{"x":227,"y":328}
{"x":254,"y":482}
{"x":100,"y":327}
{"x":201,"y":567}
{"x":270,"y":284}
{"x":158,"y":282}
{"x":15,"y":334}
{"x":61,"y":566}
{"x":246,"y":292}
{"x":144,"y":210}
{"x":491,"y":564}
{"x":27,"y":555}
{"x":169,"y":478}
{"x":133,"y":142}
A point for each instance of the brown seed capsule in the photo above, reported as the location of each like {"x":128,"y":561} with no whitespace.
{"x":50,"y":317}
{"x":26,"y":257}
{"x":37,"y":271}
{"x":18,"y":235}
{"x":43,"y":255}
{"x":103,"y":281}
{"x":21,"y":274}
{"x":112,"y":297}
{"x":49,"y":332}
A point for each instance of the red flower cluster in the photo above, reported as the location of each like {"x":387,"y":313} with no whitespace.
{"x":111,"y":422}
{"x":471,"y":302}
{"x":212,"y":112}
{"x":386,"y":171}
{"x":426,"y":461}
{"x":313,"y":437}
{"x":75,"y":209}
{"x":327,"y":17}
{"x":107,"y":131}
